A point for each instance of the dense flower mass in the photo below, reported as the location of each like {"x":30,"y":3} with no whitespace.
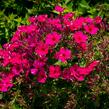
{"x":46,"y":49}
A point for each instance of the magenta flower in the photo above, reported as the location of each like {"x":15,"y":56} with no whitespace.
{"x":98,"y":19}
{"x":4,"y":54}
{"x":91,"y":28}
{"x":66,"y":74}
{"x":25,"y":63}
{"x":31,"y":29}
{"x":81,"y":40}
{"x":79,"y":73}
{"x":5,"y":84}
{"x":16,"y":36}
{"x":41,"y":78}
{"x":68,"y":15}
{"x":63,"y":54}
{"x":27,"y":29}
{"x":15,"y":58}
{"x":83,"y":46}
{"x":79,"y":37}
{"x":52,"y":38}
{"x":34,"y":71}
{"x":39,"y":63}
{"x":32,"y":19}
{"x":75,"y":73}
{"x":42,"y":49}
{"x":77,"y":24}
{"x":88,"y":20}
{"x":16,"y":70}
{"x":91,"y":67}
{"x":54,"y":71}
{"x":59,"y":9}
{"x":67,"y":23}
{"x":42,"y":18}
{"x":55,"y":23}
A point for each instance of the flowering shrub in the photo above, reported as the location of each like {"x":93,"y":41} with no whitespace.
{"x":47,"y":48}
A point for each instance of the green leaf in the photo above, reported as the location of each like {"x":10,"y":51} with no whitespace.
{"x":60,"y":63}
{"x":15,"y":106}
{"x":1,"y":95}
{"x":18,"y":20}
{"x":55,"y":12}
{"x":84,"y":4}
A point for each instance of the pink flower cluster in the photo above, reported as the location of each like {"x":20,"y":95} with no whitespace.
{"x":79,"y":73}
{"x":36,"y":48}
